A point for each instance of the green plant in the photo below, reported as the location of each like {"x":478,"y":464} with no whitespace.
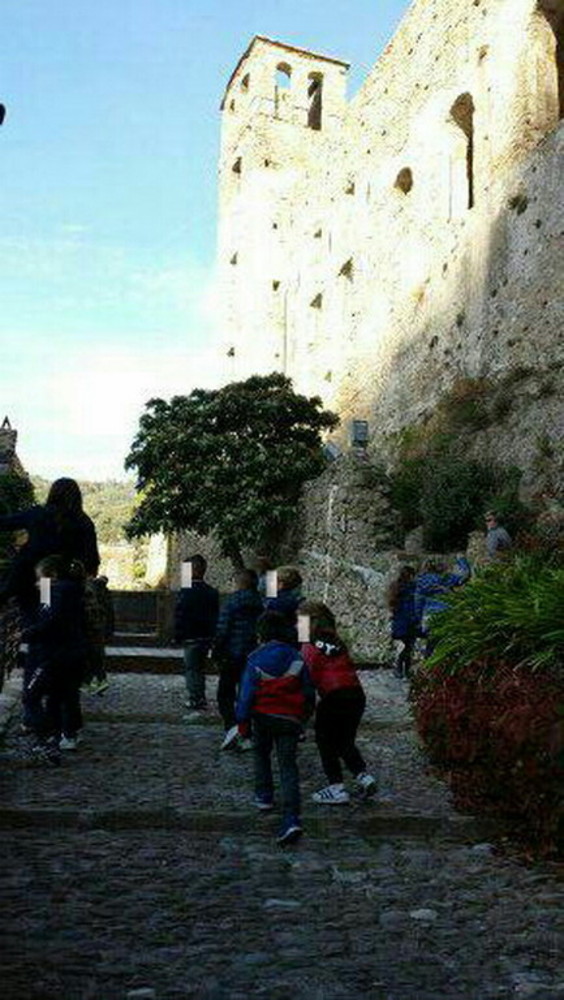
{"x":512,"y":612}
{"x":232,"y":461}
{"x":448,"y":493}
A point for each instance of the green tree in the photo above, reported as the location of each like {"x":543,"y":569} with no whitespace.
{"x":232,"y":461}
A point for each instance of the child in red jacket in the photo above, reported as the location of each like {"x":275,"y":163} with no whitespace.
{"x":339,"y":709}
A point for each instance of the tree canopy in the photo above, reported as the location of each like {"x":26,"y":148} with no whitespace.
{"x":230,"y":461}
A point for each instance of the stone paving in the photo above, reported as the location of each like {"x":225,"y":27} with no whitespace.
{"x":139,"y":871}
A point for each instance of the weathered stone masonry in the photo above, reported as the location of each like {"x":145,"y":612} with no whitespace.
{"x":378,"y":250}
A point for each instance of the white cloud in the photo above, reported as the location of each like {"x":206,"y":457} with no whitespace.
{"x":80,"y":419}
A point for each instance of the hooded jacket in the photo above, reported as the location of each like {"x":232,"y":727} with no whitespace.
{"x":276,"y":682}
{"x":236,"y":633}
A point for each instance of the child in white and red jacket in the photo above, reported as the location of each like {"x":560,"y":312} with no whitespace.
{"x":277,"y":696}
{"x":340,"y":707}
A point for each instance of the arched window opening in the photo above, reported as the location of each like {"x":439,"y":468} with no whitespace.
{"x":283,"y":76}
{"x":315,"y":96}
{"x":552,"y":11}
{"x":245,"y":82}
{"x":462,"y":114}
{"x":404,"y":180}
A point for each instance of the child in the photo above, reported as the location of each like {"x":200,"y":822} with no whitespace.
{"x":100,"y":624}
{"x":56,"y":650}
{"x":340,"y":707}
{"x":288,"y":598}
{"x":401,"y":602}
{"x":235,"y":638}
{"x":276,"y":693}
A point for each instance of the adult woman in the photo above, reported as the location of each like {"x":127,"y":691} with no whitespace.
{"x":59,"y":527}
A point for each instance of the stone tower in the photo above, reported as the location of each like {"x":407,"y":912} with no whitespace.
{"x":282,"y":115}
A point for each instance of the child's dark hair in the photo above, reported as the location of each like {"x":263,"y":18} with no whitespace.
{"x":273,"y":627}
{"x":63,"y":569}
{"x":406,"y":575}
{"x":246,"y":579}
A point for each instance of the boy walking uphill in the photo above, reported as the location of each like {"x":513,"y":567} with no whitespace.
{"x":195,"y":620}
{"x":340,"y":707}
{"x":277,"y":695}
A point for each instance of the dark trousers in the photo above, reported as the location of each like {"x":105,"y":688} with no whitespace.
{"x":195,"y":655}
{"x":53,"y":702}
{"x":230,"y":670}
{"x":405,"y":656}
{"x":270,"y":732}
{"x":336,"y":721}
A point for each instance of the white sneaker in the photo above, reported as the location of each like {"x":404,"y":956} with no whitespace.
{"x":230,"y":738}
{"x":333,"y":795}
{"x":367,"y":783}
{"x":69,"y":742}
{"x":196,"y":715}
{"x":243,"y":744}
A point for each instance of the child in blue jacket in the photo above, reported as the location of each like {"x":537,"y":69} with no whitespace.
{"x":277,"y":695}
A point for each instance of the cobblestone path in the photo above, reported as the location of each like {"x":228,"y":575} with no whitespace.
{"x":138,"y":870}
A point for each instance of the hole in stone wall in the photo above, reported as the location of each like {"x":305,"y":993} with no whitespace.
{"x":234,"y":258}
{"x":317,"y":302}
{"x":462,"y":114}
{"x":283,"y":76}
{"x":404,"y":180}
{"x":315,"y":95}
{"x":350,"y":187}
{"x":552,"y":12}
{"x":236,"y":168}
{"x":245,"y":82}
{"x":347,"y":270}
{"x":275,"y":286}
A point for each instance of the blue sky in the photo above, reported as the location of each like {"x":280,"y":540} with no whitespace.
{"x":108,"y":195}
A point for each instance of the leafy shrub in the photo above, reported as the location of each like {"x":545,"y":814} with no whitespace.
{"x":498,"y":733}
{"x":510,"y":612}
{"x":489,"y":703}
{"x":448,"y":494}
{"x":16,"y":492}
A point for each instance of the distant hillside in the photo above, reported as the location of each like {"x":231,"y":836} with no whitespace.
{"x":109,"y":504}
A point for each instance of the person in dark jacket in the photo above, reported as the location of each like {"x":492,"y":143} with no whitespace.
{"x":340,"y":706}
{"x":401,"y":602}
{"x":277,"y":695}
{"x":57,"y":636}
{"x":288,"y":598}
{"x":59,"y":527}
{"x":195,"y":620}
{"x":235,"y":638}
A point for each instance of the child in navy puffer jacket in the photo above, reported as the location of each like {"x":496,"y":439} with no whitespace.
{"x":57,"y":647}
{"x":277,"y":695}
{"x":340,"y":707}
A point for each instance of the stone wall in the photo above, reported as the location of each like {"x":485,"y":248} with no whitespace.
{"x":416,"y":237}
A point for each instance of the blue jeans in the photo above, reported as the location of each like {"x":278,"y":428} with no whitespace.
{"x":195,"y":654}
{"x":269,"y":732}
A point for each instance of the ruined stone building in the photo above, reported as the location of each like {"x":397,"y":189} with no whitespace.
{"x":383,"y":249}
{"x":379,"y":248}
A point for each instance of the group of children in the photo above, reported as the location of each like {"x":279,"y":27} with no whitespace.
{"x":270,"y":681}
